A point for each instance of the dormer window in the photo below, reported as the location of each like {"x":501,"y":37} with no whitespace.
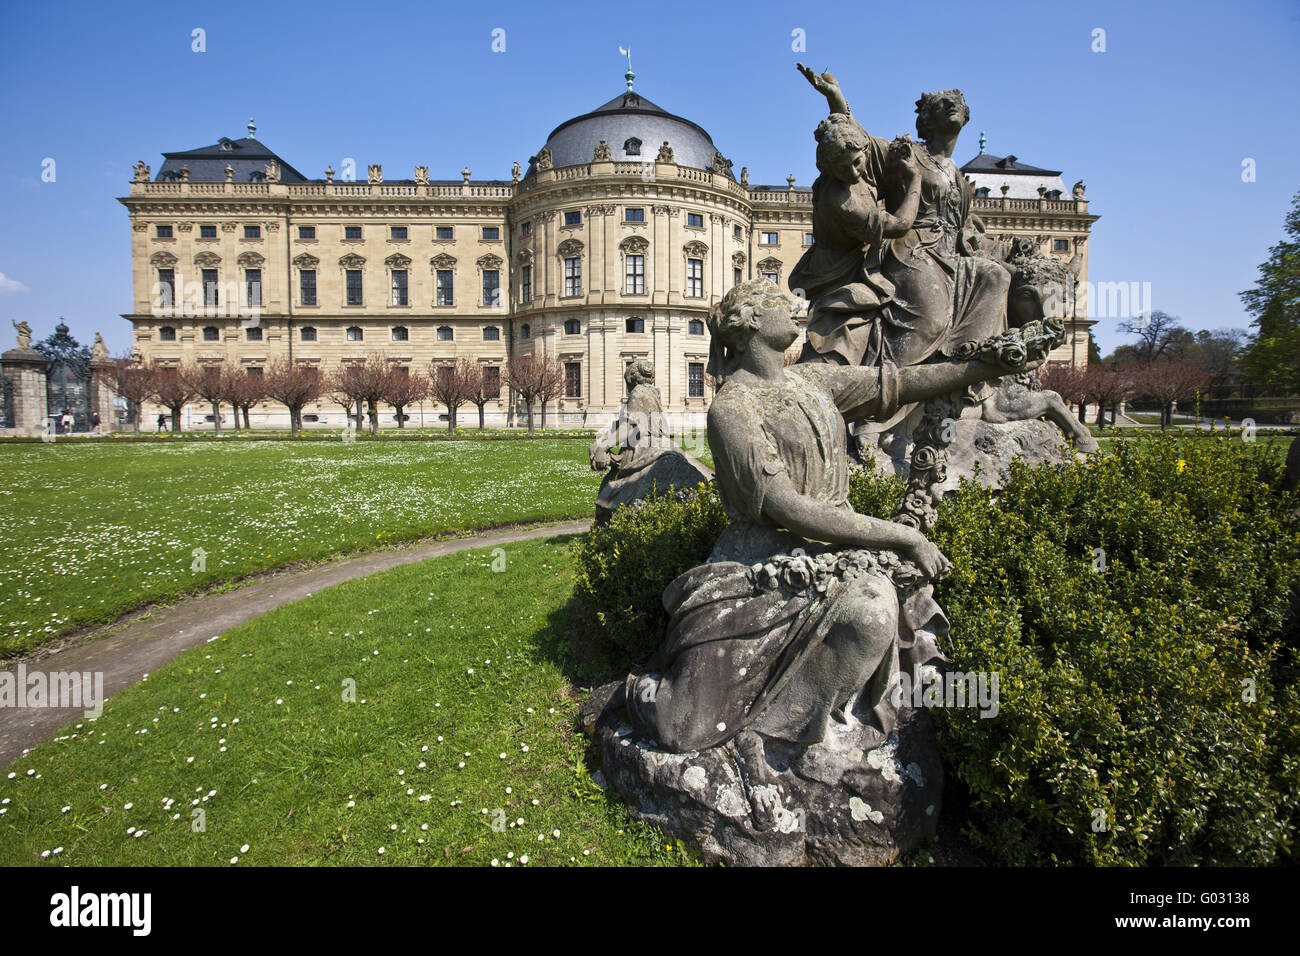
{"x":982,"y":192}
{"x":226,"y":145}
{"x":257,"y":176}
{"x":632,"y":147}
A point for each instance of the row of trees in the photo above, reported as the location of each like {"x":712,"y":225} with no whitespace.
{"x":358,"y":387}
{"x":1108,"y":384}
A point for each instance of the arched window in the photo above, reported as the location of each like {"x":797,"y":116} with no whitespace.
{"x":445,"y":333}
{"x":166,"y":334}
{"x":572,"y":327}
{"x":308,"y":333}
{"x":635,"y":325}
{"x":355,"y":334}
{"x":211,"y":333}
{"x":400,"y":334}
{"x":694,"y":327}
{"x":632,"y":147}
{"x":491,"y":333}
{"x":525,"y":331}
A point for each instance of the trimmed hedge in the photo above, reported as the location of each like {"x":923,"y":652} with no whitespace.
{"x":1137,"y":609}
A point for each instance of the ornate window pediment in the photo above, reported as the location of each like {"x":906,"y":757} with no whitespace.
{"x":632,"y":147}
{"x":397,"y":261}
{"x":569,"y":248}
{"x":443,"y":261}
{"x":306,"y":261}
{"x":207,"y":259}
{"x":163,"y":260}
{"x":696,"y":249}
{"x":352,"y":261}
{"x":634,"y":245}
{"x":770,"y":265}
{"x":489,"y":262}
{"x":251,"y":259}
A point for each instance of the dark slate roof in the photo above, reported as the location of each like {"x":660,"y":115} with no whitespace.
{"x":248,"y":157}
{"x":1005,"y":166}
{"x":629,"y":116}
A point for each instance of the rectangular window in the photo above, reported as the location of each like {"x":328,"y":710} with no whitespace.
{"x":207,"y":232}
{"x":166,"y":334}
{"x":635,"y":276}
{"x":354,"y":286}
{"x":1060,"y":245}
{"x":737,"y":234}
{"x":351,"y":232}
{"x":211,"y":333}
{"x":445,"y":296}
{"x":210,"y":287}
{"x":573,"y":276}
{"x":736,"y":277}
{"x":491,"y":381}
{"x":695,"y":379}
{"x":399,"y":287}
{"x":167,"y":287}
{"x":164,"y":232}
{"x":253,"y":334}
{"x":446,"y":333}
{"x":634,"y":215}
{"x":443,"y":232}
{"x":491,"y":286}
{"x":526,"y":285}
{"x":308,"y":334}
{"x":526,"y":229}
{"x":573,"y":380}
{"x":253,"y":286}
{"x":397,"y":232}
{"x":306,"y":232}
{"x":491,"y":232}
{"x":695,"y":219}
{"x":252,"y":232}
{"x":573,"y":218}
{"x":767,"y":238}
{"x":772,"y":277}
{"x":307,"y":286}
{"x":807,"y":238}
{"x":491,"y":334}
{"x":695,"y":277}
{"x":355,"y":334}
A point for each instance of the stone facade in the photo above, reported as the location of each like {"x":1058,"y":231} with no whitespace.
{"x":597,"y":263}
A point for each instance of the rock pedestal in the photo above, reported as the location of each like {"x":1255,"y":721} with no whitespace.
{"x":25,"y":370}
{"x":990,"y":446}
{"x":850,"y":800}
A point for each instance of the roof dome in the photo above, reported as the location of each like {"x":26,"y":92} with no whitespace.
{"x":634,"y":129}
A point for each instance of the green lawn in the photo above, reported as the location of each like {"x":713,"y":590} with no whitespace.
{"x":462,"y":716}
{"x":93,"y":530}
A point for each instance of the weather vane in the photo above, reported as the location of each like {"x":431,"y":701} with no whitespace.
{"x":630,"y":76}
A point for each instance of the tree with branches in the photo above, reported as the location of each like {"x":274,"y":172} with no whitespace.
{"x":1160,"y":336}
{"x":487,"y":388}
{"x":1107,"y":385}
{"x":172,"y":391}
{"x":453,"y":385}
{"x":213,"y":383}
{"x":134,"y":381}
{"x":537,"y":378}
{"x":247,"y":388}
{"x":1170,"y":382}
{"x":293,"y":386}
{"x":404,"y":389}
{"x":364,"y":384}
{"x":1272,"y":359}
{"x":1067,"y":381}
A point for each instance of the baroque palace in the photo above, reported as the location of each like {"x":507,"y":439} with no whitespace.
{"x":610,"y":247}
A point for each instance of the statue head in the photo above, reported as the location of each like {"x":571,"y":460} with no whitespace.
{"x":841,"y":144}
{"x":752,"y":315}
{"x":939,"y":113}
{"x":640,"y":372}
{"x":1042,"y":287}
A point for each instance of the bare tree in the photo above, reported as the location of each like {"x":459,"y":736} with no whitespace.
{"x":365,"y":383}
{"x":453,"y":385}
{"x":486,"y":389}
{"x":1170,"y":382}
{"x":535,"y":378}
{"x":404,"y":389}
{"x":173,"y":392}
{"x":1107,"y":386}
{"x":247,"y":388}
{"x":134,"y":381}
{"x":214,"y":384}
{"x":293,"y":386}
{"x":1159,"y":336}
{"x":1067,"y":381}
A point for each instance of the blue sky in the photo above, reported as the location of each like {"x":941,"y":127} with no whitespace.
{"x":1157,"y":126}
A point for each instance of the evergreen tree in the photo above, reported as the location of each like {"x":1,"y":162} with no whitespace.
{"x":1272,"y":358}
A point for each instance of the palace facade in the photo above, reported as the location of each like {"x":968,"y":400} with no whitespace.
{"x":625,"y":228}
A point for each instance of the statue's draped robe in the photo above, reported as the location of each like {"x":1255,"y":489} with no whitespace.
{"x":776,"y":632}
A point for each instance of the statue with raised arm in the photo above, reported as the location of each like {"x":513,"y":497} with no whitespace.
{"x":647,"y":460}
{"x":24,"y":331}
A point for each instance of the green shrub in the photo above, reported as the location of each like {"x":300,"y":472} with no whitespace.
{"x":1132,"y":606}
{"x":624,"y":566}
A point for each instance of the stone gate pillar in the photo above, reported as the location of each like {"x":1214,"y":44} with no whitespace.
{"x":25,"y":368}
{"x":101,"y":392}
